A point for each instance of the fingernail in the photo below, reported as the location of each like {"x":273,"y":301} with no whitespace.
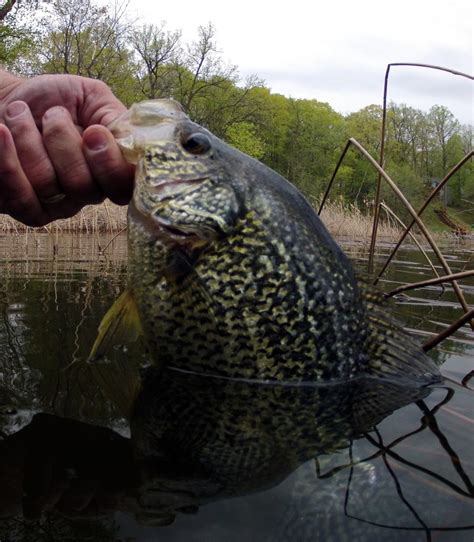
{"x":95,"y":141}
{"x":15,"y":109}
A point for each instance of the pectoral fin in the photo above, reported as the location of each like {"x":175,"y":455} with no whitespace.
{"x":120,"y":325}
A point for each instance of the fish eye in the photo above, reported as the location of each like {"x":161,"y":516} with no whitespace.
{"x":197,"y":143}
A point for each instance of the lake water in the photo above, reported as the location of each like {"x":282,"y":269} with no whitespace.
{"x":218,"y":461}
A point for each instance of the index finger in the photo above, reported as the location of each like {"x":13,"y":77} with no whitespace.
{"x":107,"y":164}
{"x":17,"y":197}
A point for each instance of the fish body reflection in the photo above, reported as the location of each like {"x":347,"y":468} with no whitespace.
{"x":196,"y":441}
{"x":246,"y":436}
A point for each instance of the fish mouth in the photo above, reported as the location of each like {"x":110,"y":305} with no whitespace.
{"x":167,"y":189}
{"x":176,"y":230}
{"x":170,"y":232}
{"x":183,"y":233}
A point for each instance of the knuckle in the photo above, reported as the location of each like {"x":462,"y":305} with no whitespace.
{"x":53,"y":131}
{"x":41,"y":172}
{"x":19,"y":127}
{"x":76,"y":176}
{"x":18,"y":203}
{"x":101,"y":86}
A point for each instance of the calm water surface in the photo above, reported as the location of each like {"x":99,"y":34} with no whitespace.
{"x":203,"y":460}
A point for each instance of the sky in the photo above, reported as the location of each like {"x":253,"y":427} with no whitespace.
{"x":337,"y":51}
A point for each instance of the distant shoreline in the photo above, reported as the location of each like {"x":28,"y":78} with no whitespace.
{"x":344,"y":222}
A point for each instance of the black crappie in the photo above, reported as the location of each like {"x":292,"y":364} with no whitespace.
{"x":232,"y":273}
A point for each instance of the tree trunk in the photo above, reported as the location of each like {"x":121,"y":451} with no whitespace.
{"x":5,"y":10}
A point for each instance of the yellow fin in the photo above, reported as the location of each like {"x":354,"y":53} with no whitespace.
{"x":120,"y":325}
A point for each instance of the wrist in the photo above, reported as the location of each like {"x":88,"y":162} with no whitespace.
{"x":8,"y":82}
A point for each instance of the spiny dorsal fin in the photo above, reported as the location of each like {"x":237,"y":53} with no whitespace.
{"x":120,"y":325}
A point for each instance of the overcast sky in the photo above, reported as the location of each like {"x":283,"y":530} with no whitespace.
{"x":337,"y":51}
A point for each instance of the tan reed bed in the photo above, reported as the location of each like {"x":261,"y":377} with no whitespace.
{"x":347,"y":221}
{"x":342,"y":220}
{"x":93,"y":219}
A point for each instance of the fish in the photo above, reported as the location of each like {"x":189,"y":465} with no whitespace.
{"x":232,"y":274}
{"x":209,"y":439}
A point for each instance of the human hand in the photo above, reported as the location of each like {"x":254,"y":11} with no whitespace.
{"x":56,"y":154}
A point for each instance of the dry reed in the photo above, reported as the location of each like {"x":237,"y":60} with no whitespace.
{"x":347,"y":221}
{"x":93,"y":219}
{"x":342,"y":220}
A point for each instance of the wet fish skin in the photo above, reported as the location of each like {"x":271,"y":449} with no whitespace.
{"x":235,"y":275}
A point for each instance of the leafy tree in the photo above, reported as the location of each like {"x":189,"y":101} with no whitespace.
{"x":200,"y":70}
{"x":315,"y":136}
{"x":444,"y":126}
{"x":227,"y":104}
{"x":158,"y":51}
{"x":356,"y":178}
{"x":462,"y":183}
{"x":16,"y":39}
{"x":89,"y":40}
{"x":405,"y":132}
{"x":243,"y":136}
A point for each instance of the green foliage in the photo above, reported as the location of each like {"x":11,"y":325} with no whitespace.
{"x":14,"y":43}
{"x":243,"y":136}
{"x":17,"y":40}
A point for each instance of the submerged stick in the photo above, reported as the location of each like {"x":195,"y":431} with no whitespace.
{"x":387,"y":209}
{"x":454,"y":170}
{"x":428,"y":345}
{"x":431,"y":282}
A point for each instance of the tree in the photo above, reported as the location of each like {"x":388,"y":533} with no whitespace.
{"x":244,"y":137}
{"x":444,"y":126}
{"x":366,"y":126}
{"x":462,"y":183}
{"x":315,"y":136}
{"x":158,"y":51}
{"x":89,"y":40}
{"x":17,"y":39}
{"x":405,"y":131}
{"x":201,"y":70}
{"x":5,"y":8}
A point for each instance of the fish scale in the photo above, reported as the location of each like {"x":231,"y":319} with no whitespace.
{"x":239,"y":325}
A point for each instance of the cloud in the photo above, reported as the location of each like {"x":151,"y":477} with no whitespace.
{"x":338,"y":51}
{"x":349,"y":88}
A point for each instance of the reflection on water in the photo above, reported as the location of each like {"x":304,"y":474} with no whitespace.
{"x":208,"y":459}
